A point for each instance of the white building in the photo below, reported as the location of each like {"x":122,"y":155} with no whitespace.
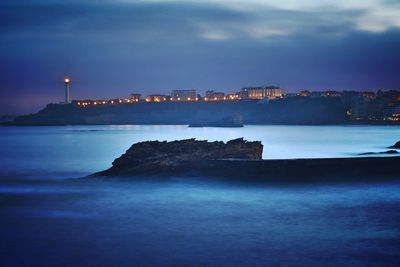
{"x":270,"y":92}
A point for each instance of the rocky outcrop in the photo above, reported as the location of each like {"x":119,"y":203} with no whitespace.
{"x":155,"y":157}
{"x":240,"y":159}
{"x":389,"y":152}
{"x":396,"y":146}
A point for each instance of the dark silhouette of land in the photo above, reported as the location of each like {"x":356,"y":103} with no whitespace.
{"x":283,"y":111}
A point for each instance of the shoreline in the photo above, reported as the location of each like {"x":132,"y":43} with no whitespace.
{"x":11,"y":124}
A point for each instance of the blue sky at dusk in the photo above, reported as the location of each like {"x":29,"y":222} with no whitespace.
{"x":113,"y":48}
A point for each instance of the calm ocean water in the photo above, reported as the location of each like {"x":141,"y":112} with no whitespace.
{"x":48,"y":217}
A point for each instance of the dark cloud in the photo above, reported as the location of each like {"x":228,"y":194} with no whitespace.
{"x":113,"y":49}
{"x":150,"y":21}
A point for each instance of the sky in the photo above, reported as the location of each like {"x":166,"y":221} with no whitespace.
{"x":113,"y":48}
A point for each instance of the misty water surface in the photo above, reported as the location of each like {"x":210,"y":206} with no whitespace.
{"x":51,"y":217}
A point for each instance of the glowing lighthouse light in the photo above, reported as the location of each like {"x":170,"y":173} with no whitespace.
{"x":67,"y":82}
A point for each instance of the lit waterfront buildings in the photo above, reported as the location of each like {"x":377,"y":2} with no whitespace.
{"x":184,"y":95}
{"x":236,"y":96}
{"x":362,"y":106}
{"x":214,"y":96}
{"x":251,"y":93}
{"x":359,"y":106}
{"x":134,"y":97}
{"x":270,"y":92}
{"x":304,"y":93}
{"x":158,"y":98}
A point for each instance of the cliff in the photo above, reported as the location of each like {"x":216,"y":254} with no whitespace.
{"x":155,"y":157}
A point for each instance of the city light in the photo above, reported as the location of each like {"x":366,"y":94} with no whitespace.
{"x":183,"y":96}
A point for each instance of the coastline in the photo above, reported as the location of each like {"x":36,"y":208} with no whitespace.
{"x":290,"y":112}
{"x":349,"y":123}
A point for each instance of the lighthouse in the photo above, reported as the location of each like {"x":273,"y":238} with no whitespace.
{"x":67,"y":82}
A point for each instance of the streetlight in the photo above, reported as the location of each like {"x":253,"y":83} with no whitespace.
{"x":67,"y":82}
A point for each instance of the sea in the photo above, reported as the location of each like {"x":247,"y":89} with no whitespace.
{"x":51,"y":214}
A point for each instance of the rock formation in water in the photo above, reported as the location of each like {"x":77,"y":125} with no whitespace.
{"x":377,"y":153}
{"x":396,"y":146}
{"x":155,"y":157}
{"x":240,"y":159}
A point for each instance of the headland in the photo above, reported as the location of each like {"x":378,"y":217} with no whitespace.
{"x":253,"y":105}
{"x":302,"y":111}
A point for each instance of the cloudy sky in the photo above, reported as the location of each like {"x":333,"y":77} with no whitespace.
{"x":113,"y":48}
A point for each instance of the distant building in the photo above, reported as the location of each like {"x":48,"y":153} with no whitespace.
{"x":392,"y":113}
{"x":304,"y":93}
{"x":115,"y":101}
{"x":214,"y":96}
{"x":386,"y":104}
{"x":158,"y":98}
{"x":331,"y":94}
{"x":270,"y":92}
{"x":133,"y":98}
{"x":317,"y":94}
{"x":369,"y":95}
{"x":184,"y":95}
{"x":99,"y":102}
{"x":235,"y":96}
{"x":360,"y":105}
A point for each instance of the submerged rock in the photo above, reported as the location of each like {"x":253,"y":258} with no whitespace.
{"x":377,"y":153}
{"x":397,"y":145}
{"x":155,"y":157}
